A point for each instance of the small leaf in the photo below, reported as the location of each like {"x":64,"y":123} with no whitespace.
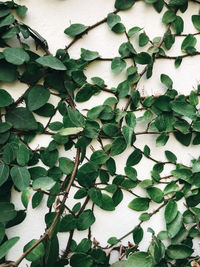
{"x":7,"y":246}
{"x":118,"y":65}
{"x":76,"y":117}
{"x":143,"y":58}
{"x":23,"y":155}
{"x":155,"y":194}
{"x":71,"y":131}
{"x":170,"y":156}
{"x":134,"y":158}
{"x":75,"y":29}
{"x":139,"y":204}
{"x":189,"y":41}
{"x":88,"y":55}
{"x":171,"y":211}
{"x":133,"y":31}
{"x":99,"y":157}
{"x":66,"y":165}
{"x":68,"y":223}
{"x":137,"y":234}
{"x":166,"y":80}
{"x":43,"y":183}
{"x":51,"y":62}
{"x":168,"y":17}
{"x":85,"y":220}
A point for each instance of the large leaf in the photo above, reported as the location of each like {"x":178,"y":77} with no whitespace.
{"x":183,"y":108}
{"x":43,"y":183}
{"x":7,"y":246}
{"x":66,"y":165}
{"x":37,"y":253}
{"x":21,"y":177}
{"x":174,"y":227}
{"x":51,"y":62}
{"x":75,"y":29}
{"x":21,"y":119}
{"x":16,"y":56}
{"x":139,"y":259}
{"x":8,"y":72}
{"x":7,"y":212}
{"x":171,"y":211}
{"x":139,"y":204}
{"x":5,"y":98}
{"x":124,"y":4}
{"x":177,"y":252}
{"x":85,"y":220}
{"x":134,"y":158}
{"x":37,"y":97}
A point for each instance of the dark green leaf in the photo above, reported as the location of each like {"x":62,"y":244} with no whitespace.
{"x":196,"y":21}
{"x":20,"y":176}
{"x":67,"y":223}
{"x":4,"y":173}
{"x":7,"y":212}
{"x":66,"y":165}
{"x":51,"y":62}
{"x":155,"y":194}
{"x":85,"y":220}
{"x":139,"y":259}
{"x":124,"y":4}
{"x":37,"y":253}
{"x":174,"y":227}
{"x":7,"y":246}
{"x":169,"y":16}
{"x":37,"y":97}
{"x":171,"y":211}
{"x":118,"y":65}
{"x":137,"y":234}
{"x":99,"y":157}
{"x":5,"y":98}
{"x":143,"y":58}
{"x":134,"y":158}
{"x":139,"y":204}
{"x":16,"y":56}
{"x":179,"y":251}
{"x":23,"y":155}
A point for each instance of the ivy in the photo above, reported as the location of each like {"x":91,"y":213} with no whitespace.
{"x":86,"y":145}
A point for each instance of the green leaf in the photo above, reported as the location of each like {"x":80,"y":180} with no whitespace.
{"x":4,"y":11}
{"x":71,"y":131}
{"x":7,"y":212}
{"x":26,"y":196}
{"x":196,"y":21}
{"x":134,"y":158}
{"x":76,"y":117}
{"x":20,"y":176}
{"x":23,"y":155}
{"x":107,"y":203}
{"x":133,"y":31}
{"x":174,"y":227}
{"x":75,"y":29}
{"x":124,"y":4}
{"x":155,"y":194}
{"x":193,"y":98}
{"x":189,"y":41}
{"x":166,"y":80}
{"x":118,"y":65}
{"x":118,"y":146}
{"x":99,"y":157}
{"x":118,"y":264}
{"x":171,"y":188}
{"x":183,"y":109}
{"x":196,"y":166}
{"x":143,"y":39}
{"x":177,"y":252}
{"x":21,"y":119}
{"x":85,"y":220}
{"x":66,"y":165}
{"x":171,"y":211}
{"x":143,"y":58}
{"x":183,"y":174}
{"x":37,"y":97}
{"x":137,"y":234}
{"x":4,"y":173}
{"x":170,"y":156}
{"x":8,"y":72}
{"x":123,"y":89}
{"x":7,"y":20}
{"x":88,"y":55}
{"x":51,"y":62}
{"x":67,"y":223}
{"x":5,"y":98}
{"x":139,"y":204}
{"x":21,"y":11}
{"x":128,"y":134}
{"x":16,"y":56}
{"x":7,"y":246}
{"x":139,"y":259}
{"x":2,"y":232}
{"x":81,"y":259}
{"x":37,"y":253}
{"x":43,"y":183}
{"x":168,"y":17}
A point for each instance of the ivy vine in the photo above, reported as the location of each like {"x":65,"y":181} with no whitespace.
{"x":42,"y":171}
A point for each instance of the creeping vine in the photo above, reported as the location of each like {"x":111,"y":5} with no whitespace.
{"x":93,"y":173}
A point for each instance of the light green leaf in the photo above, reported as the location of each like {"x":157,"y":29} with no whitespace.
{"x":139,"y":259}
{"x":118,"y":65}
{"x":177,"y":252}
{"x":174,"y":227}
{"x":71,"y":131}
{"x":43,"y":183}
{"x":66,"y":165}
{"x":99,"y":157}
{"x":88,"y":55}
{"x":139,"y":204}
{"x":171,"y":211}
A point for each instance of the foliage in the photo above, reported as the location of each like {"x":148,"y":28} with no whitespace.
{"x":42,"y":171}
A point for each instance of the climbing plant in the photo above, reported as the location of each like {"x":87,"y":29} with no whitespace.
{"x":40,"y":171}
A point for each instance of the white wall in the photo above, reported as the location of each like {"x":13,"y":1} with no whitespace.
{"x":50,"y":18}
